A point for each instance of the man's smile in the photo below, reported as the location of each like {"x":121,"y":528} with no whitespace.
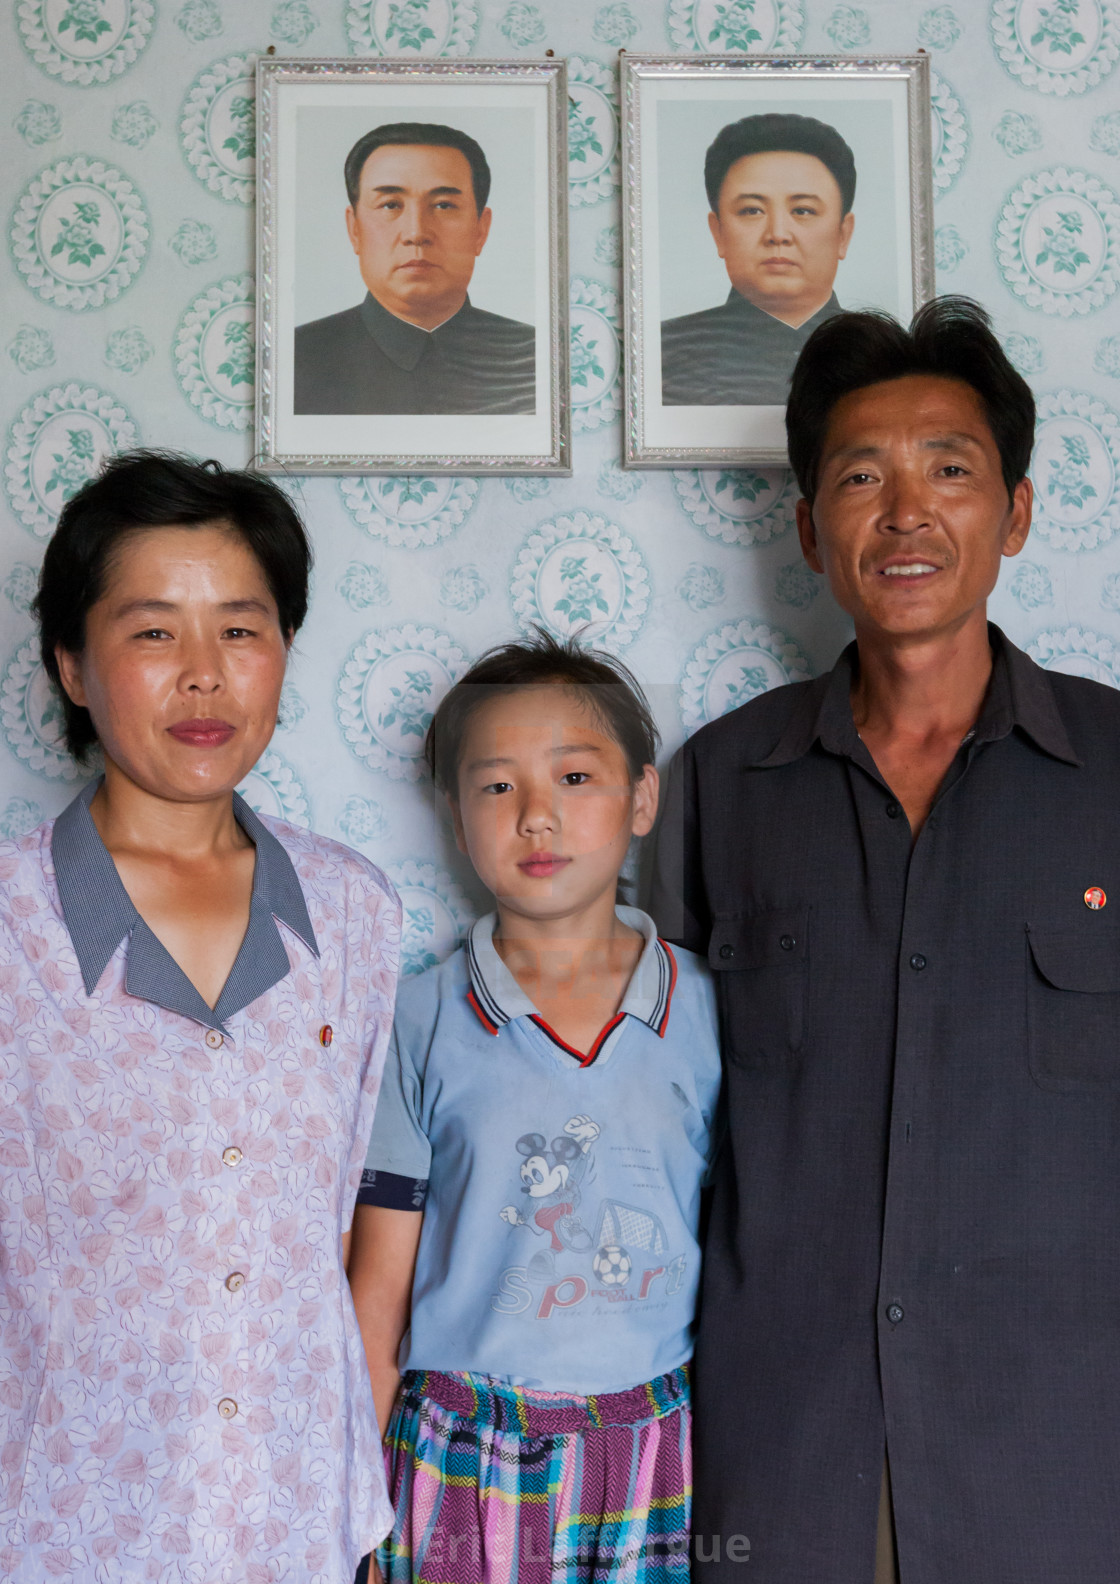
{"x":908,"y":569}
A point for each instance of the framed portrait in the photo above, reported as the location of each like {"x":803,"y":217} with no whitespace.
{"x":412,"y":267}
{"x":762,"y":196}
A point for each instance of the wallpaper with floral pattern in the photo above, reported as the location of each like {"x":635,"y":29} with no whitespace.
{"x":128,"y":293}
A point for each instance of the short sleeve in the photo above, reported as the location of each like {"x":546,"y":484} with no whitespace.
{"x":399,"y":1157}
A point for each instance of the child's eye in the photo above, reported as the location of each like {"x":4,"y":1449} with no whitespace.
{"x":497,"y":787}
{"x":575,"y":778}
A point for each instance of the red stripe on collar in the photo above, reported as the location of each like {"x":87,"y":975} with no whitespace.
{"x":600,"y":1039}
{"x":488,"y":1025}
{"x":664,"y":1023}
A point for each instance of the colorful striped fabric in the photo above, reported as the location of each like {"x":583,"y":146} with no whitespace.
{"x":496,"y":1484}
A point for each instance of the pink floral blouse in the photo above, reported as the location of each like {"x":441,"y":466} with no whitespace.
{"x":183,"y":1390}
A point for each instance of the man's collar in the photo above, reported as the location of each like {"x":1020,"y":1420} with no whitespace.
{"x":822,"y":712}
{"x":1019,"y":694}
{"x":497,"y":998}
{"x":99,"y":914}
{"x":749,"y":310}
{"x":402,"y":343}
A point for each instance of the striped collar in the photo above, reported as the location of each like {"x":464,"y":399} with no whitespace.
{"x":99,"y":914}
{"x":497,"y":998}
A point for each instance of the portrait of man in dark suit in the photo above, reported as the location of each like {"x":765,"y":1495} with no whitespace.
{"x":780,"y":191}
{"x":417,"y":220}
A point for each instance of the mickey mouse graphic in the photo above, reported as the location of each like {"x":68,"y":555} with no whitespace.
{"x":551,"y":1175}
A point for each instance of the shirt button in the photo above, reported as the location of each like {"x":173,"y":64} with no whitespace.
{"x":787,"y":943}
{"x":726,"y":951}
{"x":917,"y":962}
{"x":326,"y":1034}
{"x":235,"y":1281}
{"x":893,"y":810}
{"x":227,"y":1408}
{"x":895,"y":1313}
{"x":213,"y":1039}
{"x":231,"y":1156}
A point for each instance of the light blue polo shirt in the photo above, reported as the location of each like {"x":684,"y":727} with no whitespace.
{"x":561,"y":1192}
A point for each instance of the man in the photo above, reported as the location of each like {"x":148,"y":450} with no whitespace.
{"x":906,"y":876}
{"x":780,"y":189}
{"x":417,"y":220}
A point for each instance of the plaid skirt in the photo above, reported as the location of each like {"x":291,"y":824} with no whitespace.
{"x":496,"y":1484}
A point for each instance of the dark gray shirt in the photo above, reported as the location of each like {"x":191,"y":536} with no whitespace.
{"x":916,"y":1221}
{"x":99,"y":913}
{"x":732,"y":356}
{"x":366,"y":360}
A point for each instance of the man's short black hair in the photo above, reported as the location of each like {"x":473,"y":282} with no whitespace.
{"x":951,"y":337}
{"x":780,"y":134}
{"x":610,"y":692}
{"x":427,"y":132}
{"x":139,"y":490}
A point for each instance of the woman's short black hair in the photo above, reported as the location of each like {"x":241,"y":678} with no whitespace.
{"x":407,"y":133}
{"x":138,"y":490}
{"x":610,"y":692}
{"x":950,"y":336}
{"x":776,"y":133}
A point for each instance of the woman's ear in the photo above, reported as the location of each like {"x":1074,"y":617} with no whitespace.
{"x":645,"y":792}
{"x":70,"y":675}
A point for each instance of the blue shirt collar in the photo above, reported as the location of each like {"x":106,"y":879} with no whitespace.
{"x":99,"y":914}
{"x":497,"y":997}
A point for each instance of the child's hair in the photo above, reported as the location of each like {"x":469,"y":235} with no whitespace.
{"x":604,"y":684}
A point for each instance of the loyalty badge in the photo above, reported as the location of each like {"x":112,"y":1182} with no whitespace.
{"x":1095,"y":898}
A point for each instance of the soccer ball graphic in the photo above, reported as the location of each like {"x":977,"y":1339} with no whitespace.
{"x":612,"y":1264}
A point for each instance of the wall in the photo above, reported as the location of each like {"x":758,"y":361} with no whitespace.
{"x":716,"y":600}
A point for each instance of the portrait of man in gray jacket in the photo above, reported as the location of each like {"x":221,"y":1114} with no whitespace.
{"x":417,"y":219}
{"x":780,"y":189}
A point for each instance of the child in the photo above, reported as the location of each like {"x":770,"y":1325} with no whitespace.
{"x":527,"y":1222}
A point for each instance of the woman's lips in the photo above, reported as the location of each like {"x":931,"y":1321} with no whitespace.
{"x":202,"y":733}
{"x":541,"y":865}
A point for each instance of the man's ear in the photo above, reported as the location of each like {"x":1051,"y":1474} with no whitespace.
{"x":716,"y":229}
{"x":807,"y":533}
{"x":70,"y":675}
{"x":847,"y":226}
{"x":457,"y":824}
{"x":645,"y":792}
{"x":352,"y":227}
{"x":483,"y":232}
{"x":1018,"y":518}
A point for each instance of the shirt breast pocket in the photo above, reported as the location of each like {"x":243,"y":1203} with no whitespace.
{"x":761,"y":966}
{"x":1073,"y":1007}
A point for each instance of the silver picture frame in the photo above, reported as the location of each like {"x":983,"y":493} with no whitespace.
{"x":669,"y":107}
{"x":320,"y":101}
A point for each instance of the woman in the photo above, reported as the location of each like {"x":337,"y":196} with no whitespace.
{"x":194,"y":1008}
